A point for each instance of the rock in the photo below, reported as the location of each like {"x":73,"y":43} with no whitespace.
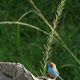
{"x":16,"y":71}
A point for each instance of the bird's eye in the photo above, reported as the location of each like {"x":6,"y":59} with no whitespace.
{"x":51,"y":65}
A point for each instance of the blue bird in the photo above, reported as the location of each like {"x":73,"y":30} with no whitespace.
{"x":53,"y":72}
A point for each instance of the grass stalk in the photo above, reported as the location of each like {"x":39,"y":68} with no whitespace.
{"x":18,"y":27}
{"x":24,"y":24}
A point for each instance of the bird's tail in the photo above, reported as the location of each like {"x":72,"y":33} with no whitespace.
{"x":59,"y":78}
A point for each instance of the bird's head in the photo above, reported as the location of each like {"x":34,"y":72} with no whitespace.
{"x":51,"y":64}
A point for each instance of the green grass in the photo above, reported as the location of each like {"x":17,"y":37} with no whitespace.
{"x":21,"y":43}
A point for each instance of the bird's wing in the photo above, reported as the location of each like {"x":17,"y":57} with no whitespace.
{"x":53,"y":72}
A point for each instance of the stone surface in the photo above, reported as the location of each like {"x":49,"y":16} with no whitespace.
{"x":16,"y":71}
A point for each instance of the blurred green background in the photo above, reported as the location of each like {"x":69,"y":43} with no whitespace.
{"x":26,"y":45}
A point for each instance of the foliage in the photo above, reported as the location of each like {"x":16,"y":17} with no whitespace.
{"x":23,"y":44}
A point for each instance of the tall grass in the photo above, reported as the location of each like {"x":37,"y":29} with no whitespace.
{"x":52,"y":36}
{"x":51,"y":39}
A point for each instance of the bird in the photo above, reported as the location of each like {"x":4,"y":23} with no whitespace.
{"x":53,"y":72}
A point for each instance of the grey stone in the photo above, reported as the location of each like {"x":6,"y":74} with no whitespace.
{"x":16,"y":71}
